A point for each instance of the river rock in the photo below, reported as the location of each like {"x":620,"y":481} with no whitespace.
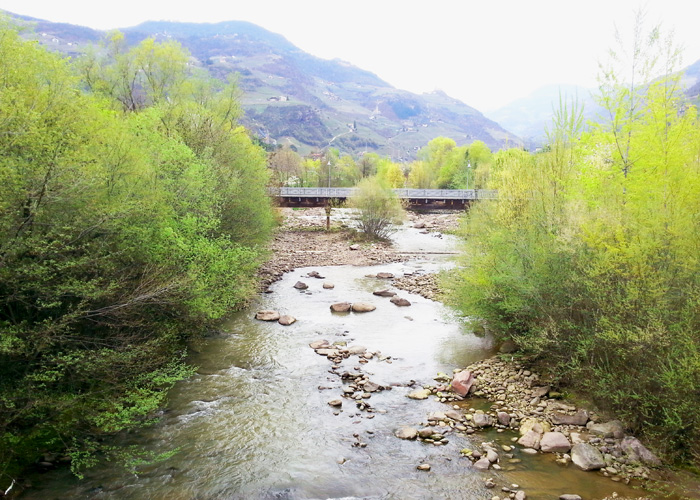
{"x":315,"y":274}
{"x":436,"y":416}
{"x":426,"y":432}
{"x":384,"y":293}
{"x":491,"y":456}
{"x":328,"y":286}
{"x":399,"y":301}
{"x":331,"y":353}
{"x":462,"y":382}
{"x":638,"y":453}
{"x":578,"y":418}
{"x":508,"y":347}
{"x":482,"y":420}
{"x":520,"y":495}
{"x":540,"y":392}
{"x":354,"y":247}
{"x":361,"y":307}
{"x":554,"y":442}
{"x":482,"y":464}
{"x":385,"y":276}
{"x":503,"y":418}
{"x":406,"y":433}
{"x":425,"y":467}
{"x":587,"y":457}
{"x":569,"y":496}
{"x":419,"y":394}
{"x":300,"y":285}
{"x":454,"y":415}
{"x":356,"y":349}
{"x":319,"y":344}
{"x":341,"y":307}
{"x":614,"y":428}
{"x":531,"y":439}
{"x":267,"y":315}
{"x":336,"y":402}
{"x":371,"y":387}
{"x":539,"y":426}
{"x":286,"y":320}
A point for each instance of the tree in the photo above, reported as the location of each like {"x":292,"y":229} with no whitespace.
{"x":122,"y":236}
{"x":379,"y":208}
{"x":589,"y":257}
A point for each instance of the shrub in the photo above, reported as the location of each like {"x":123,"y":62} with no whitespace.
{"x":379,"y":208}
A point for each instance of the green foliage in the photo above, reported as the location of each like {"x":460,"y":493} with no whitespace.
{"x":443,"y":165}
{"x":131,"y":217}
{"x":589,"y":258}
{"x":379,"y":208}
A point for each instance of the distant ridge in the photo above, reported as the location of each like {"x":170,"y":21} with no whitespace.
{"x":294,"y":98}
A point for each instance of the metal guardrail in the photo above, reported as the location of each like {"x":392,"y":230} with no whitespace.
{"x":424,"y":194}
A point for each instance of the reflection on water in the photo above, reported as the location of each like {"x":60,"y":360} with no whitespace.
{"x":254,"y":421}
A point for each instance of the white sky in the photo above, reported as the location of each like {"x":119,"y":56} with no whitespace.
{"x":486,"y":53}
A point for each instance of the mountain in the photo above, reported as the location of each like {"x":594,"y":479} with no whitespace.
{"x":291,"y":97}
{"x":529,"y":116}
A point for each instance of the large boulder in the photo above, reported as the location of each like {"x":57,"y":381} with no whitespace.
{"x":267,"y":315}
{"x":554,"y":442}
{"x":361,"y":307}
{"x":614,"y":428}
{"x":384,"y":293}
{"x":531,"y":439}
{"x":578,"y":418}
{"x":300,"y":285}
{"x":638,"y":453}
{"x":341,"y":307}
{"x":462,"y":382}
{"x":587,"y":457}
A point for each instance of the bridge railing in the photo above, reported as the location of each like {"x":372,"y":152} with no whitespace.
{"x":411,"y":194}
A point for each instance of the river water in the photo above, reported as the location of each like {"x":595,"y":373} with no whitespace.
{"x":254,"y":422}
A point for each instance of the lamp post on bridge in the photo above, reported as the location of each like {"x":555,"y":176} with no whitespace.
{"x":328,"y":199}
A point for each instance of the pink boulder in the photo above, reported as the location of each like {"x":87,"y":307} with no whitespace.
{"x":462,"y":382}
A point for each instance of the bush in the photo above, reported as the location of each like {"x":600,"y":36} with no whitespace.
{"x":379,"y":208}
{"x":122,"y":235}
{"x":588,"y":260}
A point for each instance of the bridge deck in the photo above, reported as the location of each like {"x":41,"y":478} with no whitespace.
{"x":317,"y":196}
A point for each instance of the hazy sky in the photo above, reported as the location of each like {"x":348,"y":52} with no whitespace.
{"x":486,"y":53}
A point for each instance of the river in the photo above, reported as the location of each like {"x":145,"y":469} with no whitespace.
{"x":254,"y":421}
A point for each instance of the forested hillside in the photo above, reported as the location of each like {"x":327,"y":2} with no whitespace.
{"x":133,"y":212}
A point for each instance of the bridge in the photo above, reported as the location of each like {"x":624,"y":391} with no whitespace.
{"x":445,"y":198}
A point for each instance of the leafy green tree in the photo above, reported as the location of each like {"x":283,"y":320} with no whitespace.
{"x":379,"y":208}
{"x":589,"y":257}
{"x":390,"y":173}
{"x":122,"y":235}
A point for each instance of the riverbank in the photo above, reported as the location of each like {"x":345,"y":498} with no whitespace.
{"x":302,"y":241}
{"x":519,"y":399}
